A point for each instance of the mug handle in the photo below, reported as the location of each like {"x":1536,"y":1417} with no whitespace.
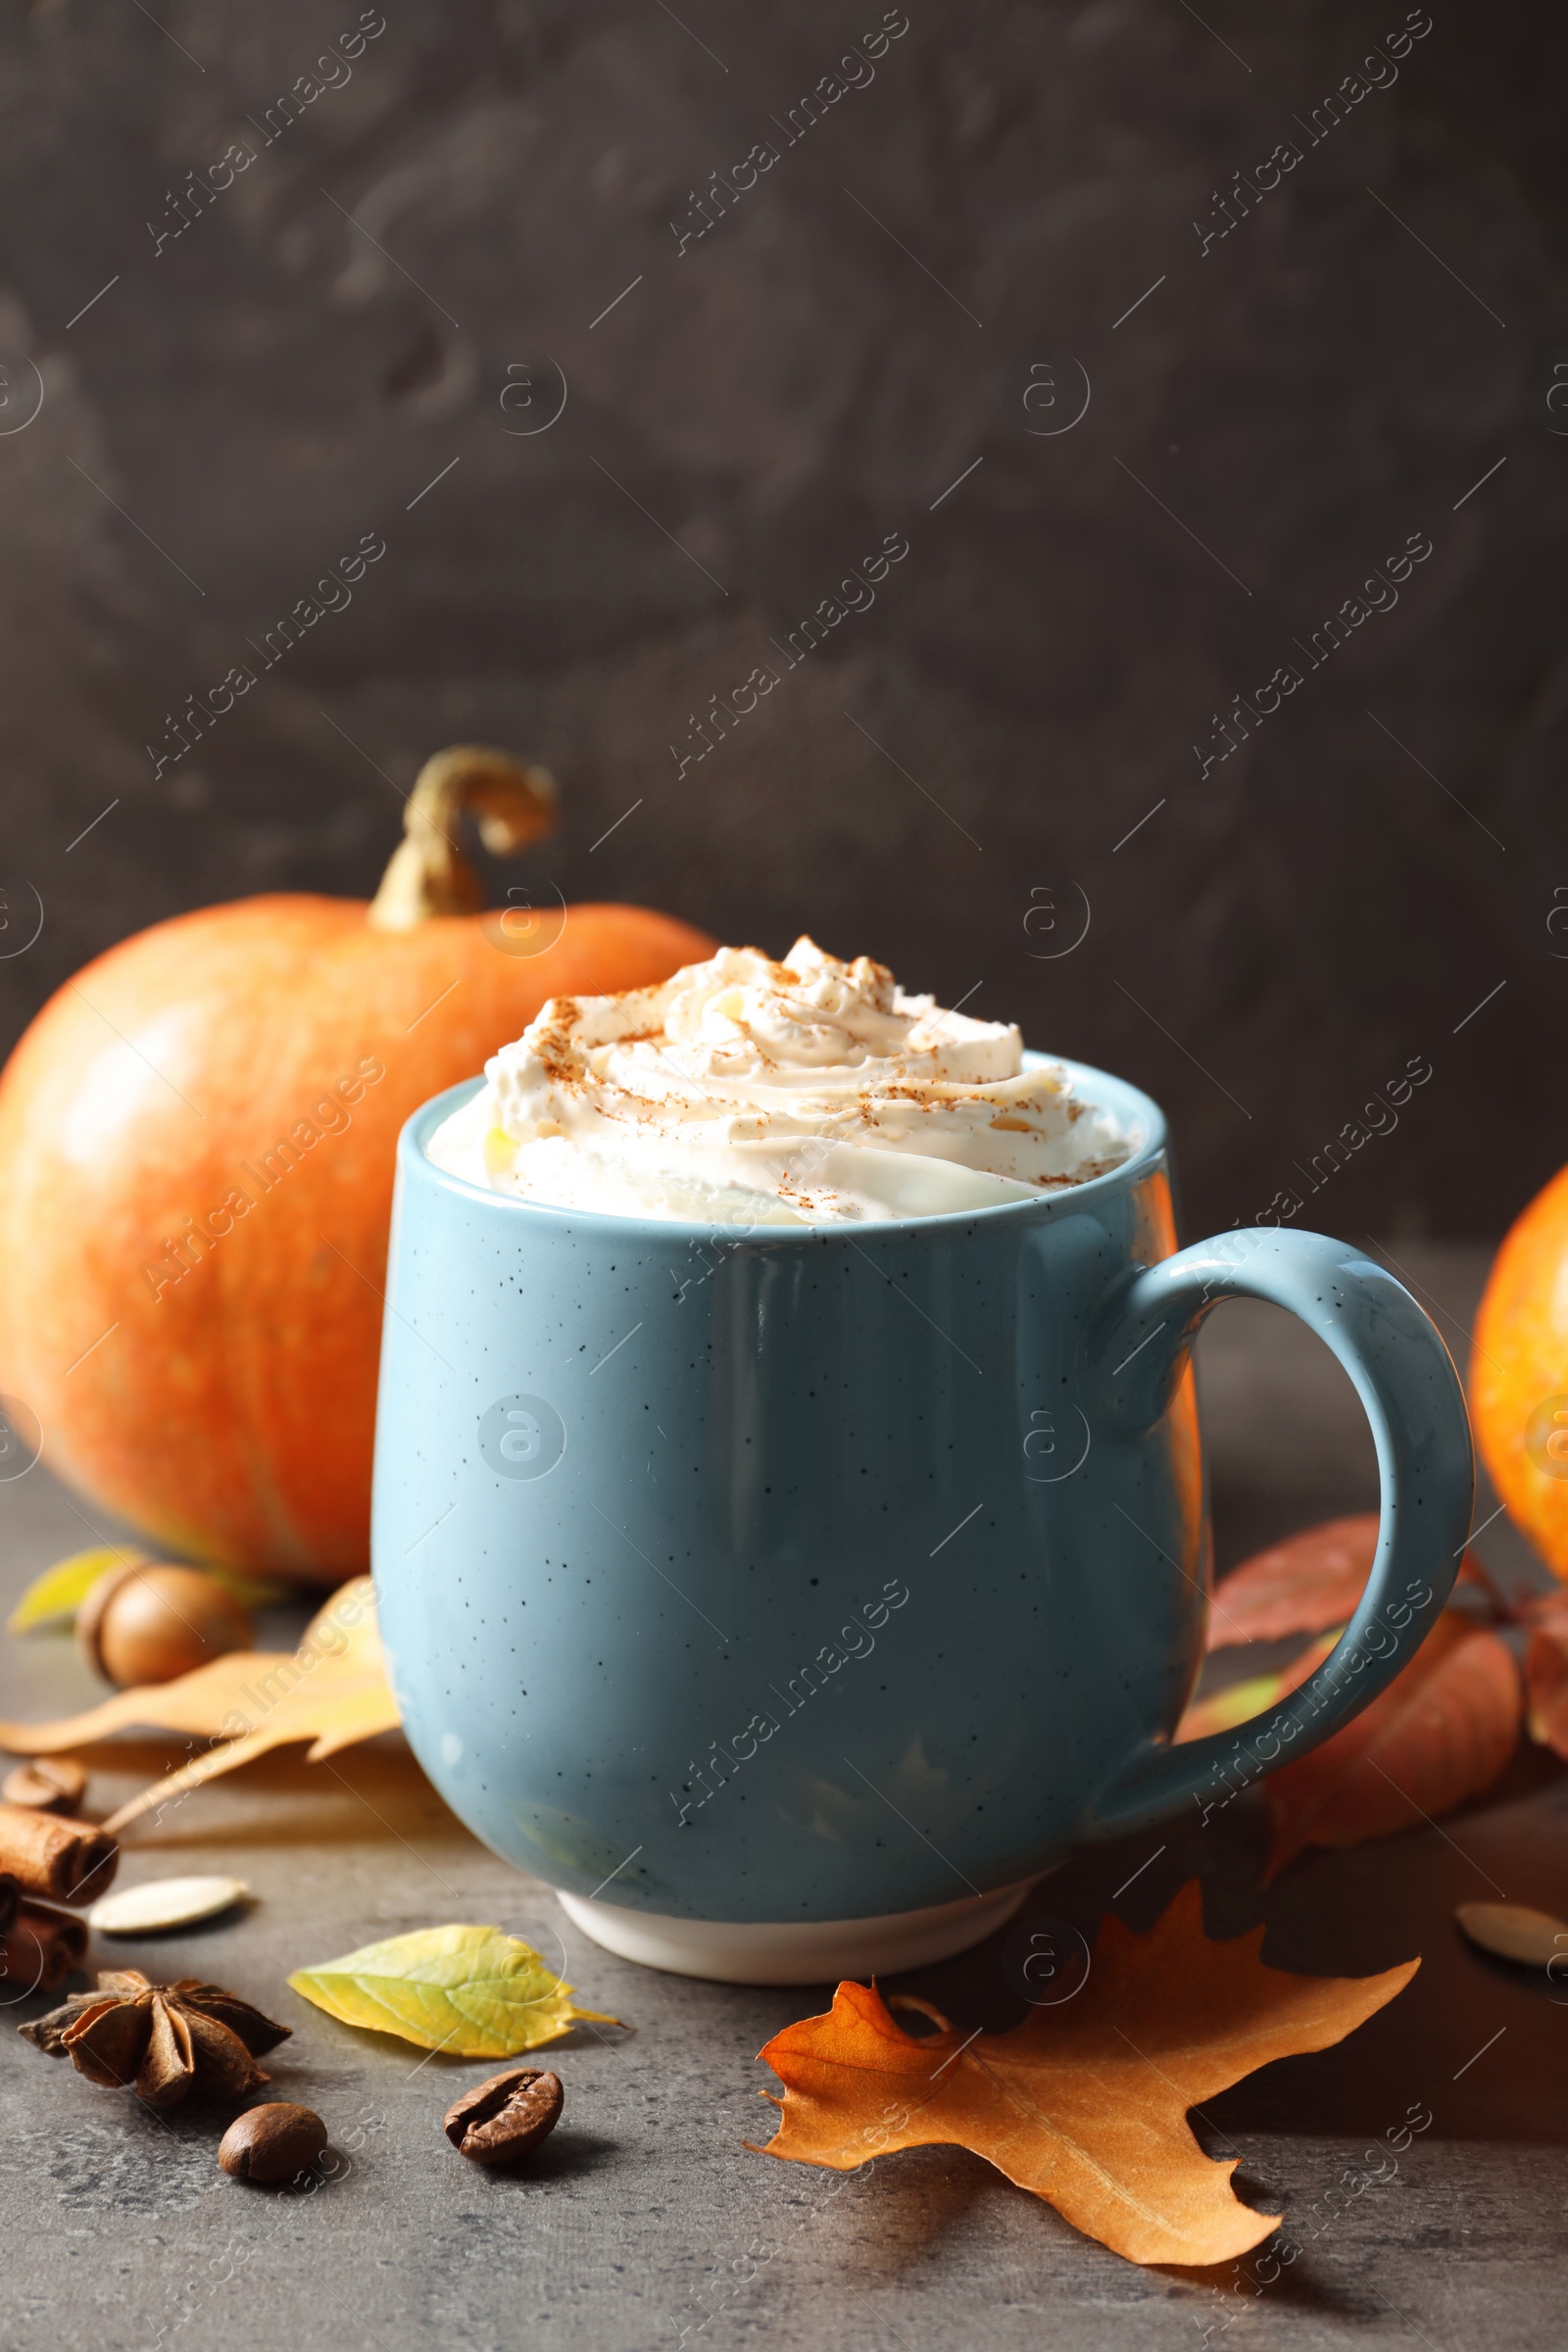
{"x":1406,"y":1381}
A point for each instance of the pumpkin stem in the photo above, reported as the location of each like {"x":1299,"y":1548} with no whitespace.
{"x":512,"y":803}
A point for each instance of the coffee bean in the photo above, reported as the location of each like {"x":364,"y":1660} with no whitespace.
{"x":49,"y":1783}
{"x":507,"y":2117}
{"x":273,"y":2142}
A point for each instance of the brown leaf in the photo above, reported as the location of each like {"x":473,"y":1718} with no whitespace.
{"x":1547,"y":1678}
{"x":1306,"y":1583}
{"x":333,"y":1692}
{"x":1310,"y":1581}
{"x":1085,"y":2104}
{"x":1442,"y":1731}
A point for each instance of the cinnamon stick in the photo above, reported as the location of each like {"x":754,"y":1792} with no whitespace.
{"x":40,"y":1947}
{"x":64,"y":1861}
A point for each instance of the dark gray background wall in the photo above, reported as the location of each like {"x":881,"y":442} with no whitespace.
{"x":953,"y":780}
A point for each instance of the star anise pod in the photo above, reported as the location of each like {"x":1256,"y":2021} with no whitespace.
{"x":168,"y":2039}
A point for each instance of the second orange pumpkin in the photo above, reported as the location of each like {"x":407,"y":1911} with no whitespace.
{"x":1519,"y":1373}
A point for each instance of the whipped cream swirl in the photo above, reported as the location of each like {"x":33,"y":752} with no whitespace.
{"x":746,"y":1092}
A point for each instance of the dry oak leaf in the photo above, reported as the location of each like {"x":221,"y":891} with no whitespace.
{"x":1085,"y":2104}
{"x":332,"y":1691}
{"x":1441,"y":1732}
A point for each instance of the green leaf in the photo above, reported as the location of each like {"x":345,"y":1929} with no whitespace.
{"x":1237,"y":1702}
{"x":53,"y":1597}
{"x":470,"y":1990}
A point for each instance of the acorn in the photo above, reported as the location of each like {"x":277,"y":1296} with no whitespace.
{"x":150,"y":1624}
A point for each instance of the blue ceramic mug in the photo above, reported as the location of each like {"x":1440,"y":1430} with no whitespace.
{"x":791,"y":1600}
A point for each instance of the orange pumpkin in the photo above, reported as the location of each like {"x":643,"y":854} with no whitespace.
{"x":1519,"y":1373}
{"x":196,"y":1151}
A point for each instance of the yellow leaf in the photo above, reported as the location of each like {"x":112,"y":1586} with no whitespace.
{"x":53,"y":1597}
{"x":332,"y":1691}
{"x":470,"y":1990}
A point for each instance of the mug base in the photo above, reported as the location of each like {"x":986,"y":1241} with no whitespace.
{"x":803,"y":1952}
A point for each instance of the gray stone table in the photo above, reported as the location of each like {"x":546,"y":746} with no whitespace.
{"x":646,"y":2217}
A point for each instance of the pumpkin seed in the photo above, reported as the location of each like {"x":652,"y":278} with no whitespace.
{"x":164,"y":1903}
{"x":1510,"y":1930}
